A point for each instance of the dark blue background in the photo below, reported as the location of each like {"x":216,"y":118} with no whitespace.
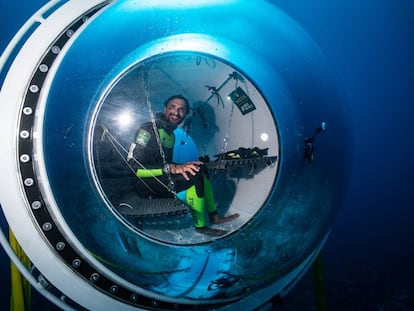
{"x":369,"y":256}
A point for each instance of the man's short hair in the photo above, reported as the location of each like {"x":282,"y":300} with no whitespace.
{"x":178,"y":96}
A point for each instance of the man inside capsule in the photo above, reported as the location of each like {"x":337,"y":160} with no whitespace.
{"x":151,"y":157}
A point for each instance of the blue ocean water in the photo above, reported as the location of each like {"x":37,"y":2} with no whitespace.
{"x":368,"y":257}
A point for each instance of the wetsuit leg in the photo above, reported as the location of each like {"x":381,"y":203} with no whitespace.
{"x":180,"y":183}
{"x":210,"y":202}
{"x":194,"y":196}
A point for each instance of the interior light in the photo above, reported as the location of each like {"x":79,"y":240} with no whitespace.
{"x":124,"y":119}
{"x":264,"y":136}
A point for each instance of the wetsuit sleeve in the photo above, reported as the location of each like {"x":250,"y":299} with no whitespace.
{"x":146,"y":160}
{"x":145,"y":173}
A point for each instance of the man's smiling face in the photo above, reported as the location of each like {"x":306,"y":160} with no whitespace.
{"x":176,"y":110}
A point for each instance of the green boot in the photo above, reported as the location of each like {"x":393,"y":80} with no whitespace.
{"x":196,"y":205}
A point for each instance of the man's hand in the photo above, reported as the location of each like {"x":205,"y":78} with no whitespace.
{"x":186,"y":168}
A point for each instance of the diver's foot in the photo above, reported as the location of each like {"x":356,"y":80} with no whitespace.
{"x":221,"y":220}
{"x":211,"y":231}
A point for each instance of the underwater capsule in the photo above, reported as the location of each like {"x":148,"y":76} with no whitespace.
{"x":59,"y":135}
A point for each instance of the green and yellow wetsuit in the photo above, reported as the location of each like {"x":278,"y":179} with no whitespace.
{"x":153,"y":178}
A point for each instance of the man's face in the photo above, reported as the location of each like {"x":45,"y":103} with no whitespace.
{"x":175,"y":111}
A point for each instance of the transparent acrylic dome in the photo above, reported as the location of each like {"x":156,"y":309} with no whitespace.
{"x":214,"y":126}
